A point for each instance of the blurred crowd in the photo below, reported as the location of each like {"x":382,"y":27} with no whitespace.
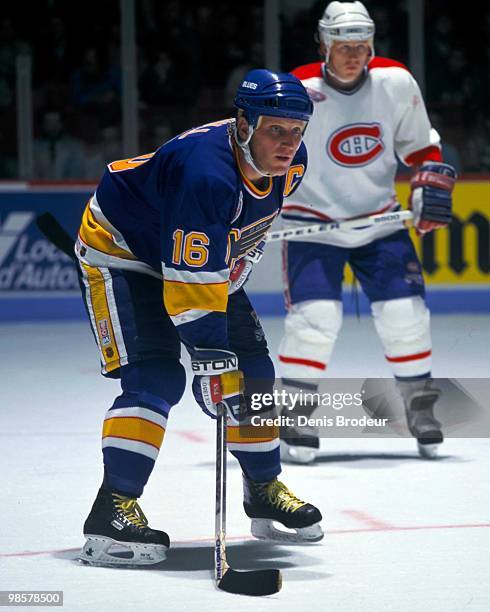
{"x":190,"y":59}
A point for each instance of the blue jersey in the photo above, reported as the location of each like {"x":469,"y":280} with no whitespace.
{"x":186,"y":212}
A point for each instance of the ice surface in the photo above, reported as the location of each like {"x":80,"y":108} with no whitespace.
{"x":403,"y":534}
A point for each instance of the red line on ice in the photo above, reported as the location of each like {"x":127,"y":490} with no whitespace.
{"x":191,"y":436}
{"x":367,"y":519}
{"x":250,"y":538}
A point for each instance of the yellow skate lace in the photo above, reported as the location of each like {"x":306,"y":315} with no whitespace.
{"x":282,"y":498}
{"x":130,"y":510}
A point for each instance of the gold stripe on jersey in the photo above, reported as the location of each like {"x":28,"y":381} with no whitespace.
{"x":133,"y":428}
{"x":249,"y":434}
{"x":102,"y":319}
{"x":97,"y":237}
{"x":179,"y":297}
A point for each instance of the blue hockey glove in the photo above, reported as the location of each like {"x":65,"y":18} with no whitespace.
{"x":218,"y":380}
{"x":431,"y":200}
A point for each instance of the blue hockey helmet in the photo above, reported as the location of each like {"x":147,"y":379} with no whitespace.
{"x":263,"y":92}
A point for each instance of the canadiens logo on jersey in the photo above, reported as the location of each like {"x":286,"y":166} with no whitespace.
{"x":356,"y":144}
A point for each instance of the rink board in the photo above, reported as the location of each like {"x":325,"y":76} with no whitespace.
{"x":38,"y":282}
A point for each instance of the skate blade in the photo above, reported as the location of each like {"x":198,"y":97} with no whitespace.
{"x":106,"y":552}
{"x":297,"y":454}
{"x":428,"y":451}
{"x":265,"y":529}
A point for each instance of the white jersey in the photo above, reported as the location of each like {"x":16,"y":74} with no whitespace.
{"x":352,"y":141}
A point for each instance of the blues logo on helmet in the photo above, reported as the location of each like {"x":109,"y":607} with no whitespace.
{"x":263,"y":92}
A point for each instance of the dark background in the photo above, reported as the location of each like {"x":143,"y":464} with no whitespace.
{"x":191,"y":58}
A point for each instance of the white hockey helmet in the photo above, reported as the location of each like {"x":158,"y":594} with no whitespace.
{"x":346,"y":21}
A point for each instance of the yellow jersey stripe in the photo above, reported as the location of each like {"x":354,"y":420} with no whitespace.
{"x":134,"y":428}
{"x":102,"y":315}
{"x":179,"y":297}
{"x":95,"y":236}
{"x":248,"y":434}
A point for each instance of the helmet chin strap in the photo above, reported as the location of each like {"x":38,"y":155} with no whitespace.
{"x":245,"y":147}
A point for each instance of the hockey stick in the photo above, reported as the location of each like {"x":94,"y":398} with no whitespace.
{"x":255,"y":582}
{"x":305,"y":231}
{"x":53,"y":231}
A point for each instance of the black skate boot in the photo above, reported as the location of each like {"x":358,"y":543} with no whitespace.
{"x":299,"y":444}
{"x":420,"y":398}
{"x":117,"y":533}
{"x":265,"y":502}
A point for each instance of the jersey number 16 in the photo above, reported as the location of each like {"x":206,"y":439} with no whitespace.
{"x":191,"y":248}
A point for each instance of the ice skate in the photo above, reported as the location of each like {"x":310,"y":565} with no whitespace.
{"x":420,"y":398}
{"x":299,"y":444}
{"x":302,"y":449}
{"x":117,"y":533}
{"x":269,"y":502}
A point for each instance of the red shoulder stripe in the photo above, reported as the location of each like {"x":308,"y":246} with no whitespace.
{"x":431,"y":153}
{"x":308,"y":71}
{"x":385,"y":62}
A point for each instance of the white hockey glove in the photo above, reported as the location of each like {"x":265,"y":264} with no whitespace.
{"x":431,"y":200}
{"x":218,"y":380}
{"x":241,"y":270}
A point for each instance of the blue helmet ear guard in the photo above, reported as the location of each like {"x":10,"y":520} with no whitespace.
{"x":263,"y":92}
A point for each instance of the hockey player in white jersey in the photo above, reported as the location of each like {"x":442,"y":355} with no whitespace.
{"x":368,"y":111}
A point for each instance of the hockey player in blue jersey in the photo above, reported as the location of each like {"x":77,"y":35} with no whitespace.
{"x":189,"y":220}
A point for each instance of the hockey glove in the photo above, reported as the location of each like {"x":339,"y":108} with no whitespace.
{"x":218,"y":380}
{"x":430,"y":199}
{"x":241,"y":270}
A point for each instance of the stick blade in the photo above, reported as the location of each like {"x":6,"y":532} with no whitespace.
{"x":256,"y":583}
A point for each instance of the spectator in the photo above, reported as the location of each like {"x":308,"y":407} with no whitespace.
{"x":441,"y":40}
{"x":450,"y":153}
{"x":108,"y":149}
{"x":56,"y":155}
{"x":6,"y":88}
{"x":161,"y":133}
{"x":53,"y":58}
{"x":11,"y":45}
{"x":96,"y":87}
{"x":254,"y":60}
{"x":477,"y":150}
{"x":453,"y":83}
{"x":385,"y":46}
{"x":161,"y":83}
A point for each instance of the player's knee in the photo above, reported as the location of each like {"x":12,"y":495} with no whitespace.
{"x":404,"y":319}
{"x":314,"y":322}
{"x":158,"y":382}
{"x":259,"y":377}
{"x":257,"y":367}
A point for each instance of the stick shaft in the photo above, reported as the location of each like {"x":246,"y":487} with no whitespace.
{"x":297,"y":233}
{"x":220,"y":564}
